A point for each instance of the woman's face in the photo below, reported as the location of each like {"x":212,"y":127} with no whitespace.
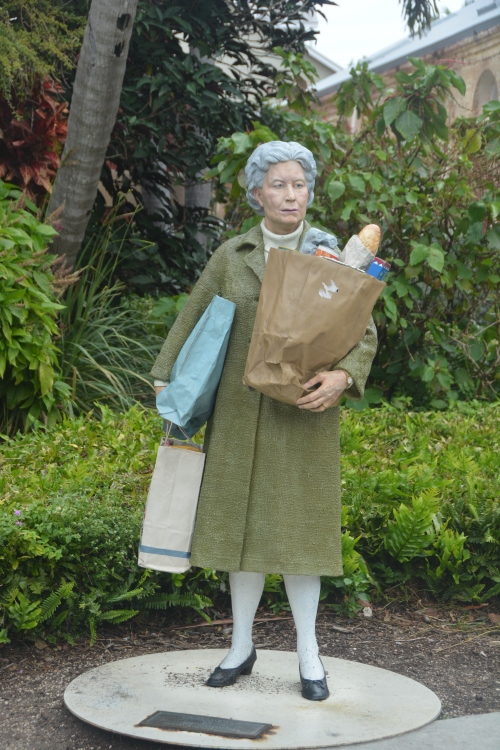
{"x":283,"y":196}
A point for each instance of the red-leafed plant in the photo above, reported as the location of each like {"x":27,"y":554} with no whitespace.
{"x":32,"y":135}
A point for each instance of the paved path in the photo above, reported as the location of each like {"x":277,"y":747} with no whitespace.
{"x":478,"y":732}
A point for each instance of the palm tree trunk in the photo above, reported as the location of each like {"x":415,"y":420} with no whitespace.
{"x":94,"y":105}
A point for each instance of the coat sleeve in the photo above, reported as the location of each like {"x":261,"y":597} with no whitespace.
{"x":208,"y":285}
{"x":358,"y":362}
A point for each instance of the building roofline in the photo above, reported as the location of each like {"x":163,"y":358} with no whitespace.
{"x":414,"y":47}
{"x":326,"y":61}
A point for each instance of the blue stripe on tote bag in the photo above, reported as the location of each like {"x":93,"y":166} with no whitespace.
{"x":189,"y":399}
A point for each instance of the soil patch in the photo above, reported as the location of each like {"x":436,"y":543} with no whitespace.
{"x":453,"y":651}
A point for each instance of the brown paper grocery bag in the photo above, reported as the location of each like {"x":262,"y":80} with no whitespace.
{"x":311,"y":313}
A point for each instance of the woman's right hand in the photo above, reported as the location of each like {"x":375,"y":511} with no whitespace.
{"x":159,"y":388}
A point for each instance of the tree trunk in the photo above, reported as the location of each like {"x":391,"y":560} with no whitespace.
{"x":94,"y":105}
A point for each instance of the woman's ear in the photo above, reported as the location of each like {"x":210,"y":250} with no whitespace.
{"x":257,"y":194}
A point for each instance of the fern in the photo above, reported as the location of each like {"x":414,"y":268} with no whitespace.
{"x":118,"y":615}
{"x":134,"y":594}
{"x":494,"y":591}
{"x":203,"y":601}
{"x":59,"y":619}
{"x":470,"y":593}
{"x":493,"y":571}
{"x":163,"y":601}
{"x":52,"y":602}
{"x":49,"y":605}
{"x":126,"y":593}
{"x":412,"y":530}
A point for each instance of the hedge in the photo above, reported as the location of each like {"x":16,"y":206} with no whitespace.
{"x":420,"y":493}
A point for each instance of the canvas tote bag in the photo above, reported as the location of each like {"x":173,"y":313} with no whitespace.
{"x":169,"y":518}
{"x":311,"y":313}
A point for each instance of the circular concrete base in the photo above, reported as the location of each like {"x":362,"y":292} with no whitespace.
{"x":366,"y":703}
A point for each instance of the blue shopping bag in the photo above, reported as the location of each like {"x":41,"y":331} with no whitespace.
{"x":189,"y":398}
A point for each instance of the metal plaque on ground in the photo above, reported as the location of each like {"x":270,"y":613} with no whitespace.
{"x":169,"y":720}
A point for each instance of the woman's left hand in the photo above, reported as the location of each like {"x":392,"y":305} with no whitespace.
{"x":332,"y":384}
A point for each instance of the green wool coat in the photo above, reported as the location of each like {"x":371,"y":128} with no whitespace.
{"x":270,"y":498}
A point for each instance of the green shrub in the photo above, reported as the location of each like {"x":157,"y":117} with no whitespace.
{"x":70,"y":516}
{"x":31,"y":385}
{"x":420,"y":494}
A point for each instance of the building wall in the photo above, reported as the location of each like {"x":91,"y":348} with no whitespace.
{"x":476,"y":59}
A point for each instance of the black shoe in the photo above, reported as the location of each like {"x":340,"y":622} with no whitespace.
{"x":224,"y":677}
{"x":314,"y":690}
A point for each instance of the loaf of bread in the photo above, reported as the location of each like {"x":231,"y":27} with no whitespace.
{"x":370,"y":237}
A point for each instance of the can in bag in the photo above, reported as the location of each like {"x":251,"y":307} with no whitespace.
{"x":379,"y":268}
{"x":327,"y":252}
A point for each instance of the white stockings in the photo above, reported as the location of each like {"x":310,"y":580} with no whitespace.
{"x":246,"y":591}
{"x":303,"y":595}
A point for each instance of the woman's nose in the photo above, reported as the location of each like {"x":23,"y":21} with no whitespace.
{"x":290,"y":192}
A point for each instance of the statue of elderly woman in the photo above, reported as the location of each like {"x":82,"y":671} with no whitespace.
{"x":270,"y":498}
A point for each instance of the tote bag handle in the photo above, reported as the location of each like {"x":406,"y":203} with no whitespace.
{"x":167,"y":426}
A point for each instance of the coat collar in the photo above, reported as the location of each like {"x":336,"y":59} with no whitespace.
{"x":253,"y":242}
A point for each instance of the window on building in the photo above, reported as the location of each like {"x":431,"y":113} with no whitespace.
{"x":486,"y":90}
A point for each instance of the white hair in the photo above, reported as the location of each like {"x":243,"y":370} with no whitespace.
{"x":275,"y":152}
